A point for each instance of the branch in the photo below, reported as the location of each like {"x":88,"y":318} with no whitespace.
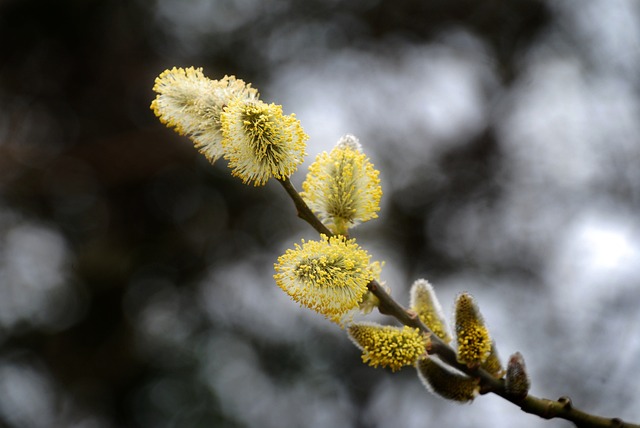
{"x":545,"y":408}
{"x":563,"y":409}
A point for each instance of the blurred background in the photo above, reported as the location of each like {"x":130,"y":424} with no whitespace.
{"x":136,"y":283}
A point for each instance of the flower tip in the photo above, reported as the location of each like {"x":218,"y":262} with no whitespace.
{"x":349,"y":141}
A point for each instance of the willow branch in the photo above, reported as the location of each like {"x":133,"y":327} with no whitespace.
{"x":545,"y":408}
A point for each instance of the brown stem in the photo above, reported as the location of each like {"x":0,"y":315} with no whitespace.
{"x":304,"y":212}
{"x":563,"y":409}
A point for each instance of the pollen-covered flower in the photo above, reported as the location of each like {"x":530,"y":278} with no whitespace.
{"x":260,"y":142}
{"x":425,"y":303}
{"x":191,"y":103}
{"x":446,"y":382}
{"x":387,"y":346}
{"x":474,"y":342}
{"x":329,"y":276}
{"x":343,"y":187}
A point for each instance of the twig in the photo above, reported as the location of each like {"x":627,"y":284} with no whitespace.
{"x":545,"y":408}
{"x":304,"y":212}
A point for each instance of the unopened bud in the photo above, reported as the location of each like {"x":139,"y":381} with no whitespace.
{"x":425,"y":303}
{"x":517,"y":380}
{"x":446,"y":383}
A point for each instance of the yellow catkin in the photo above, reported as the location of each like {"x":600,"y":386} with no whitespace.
{"x":474,"y":342}
{"x":329,"y":276}
{"x":191,"y":103}
{"x":343,"y":187}
{"x":387,"y":346}
{"x":260,"y":141}
{"x":425,"y":303}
